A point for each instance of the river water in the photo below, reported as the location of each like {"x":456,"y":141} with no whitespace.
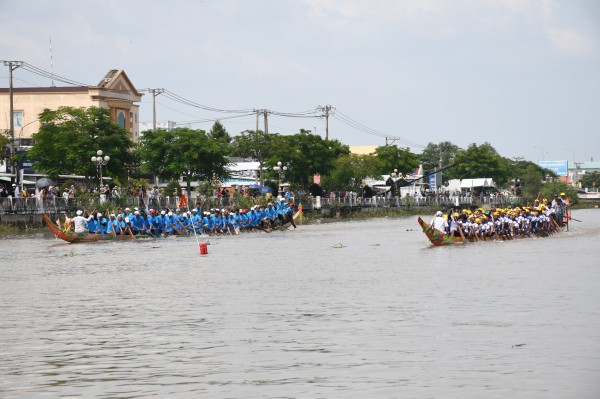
{"x":363,"y":309}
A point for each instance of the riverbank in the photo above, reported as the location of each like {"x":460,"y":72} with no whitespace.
{"x":325,"y":215}
{"x":328,"y":215}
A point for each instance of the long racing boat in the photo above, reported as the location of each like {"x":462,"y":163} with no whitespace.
{"x":438,"y":238}
{"x":73,"y":237}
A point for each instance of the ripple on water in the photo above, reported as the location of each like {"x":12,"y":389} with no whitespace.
{"x":359,"y":309}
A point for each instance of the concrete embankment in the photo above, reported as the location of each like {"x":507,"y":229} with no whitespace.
{"x":22,"y":220}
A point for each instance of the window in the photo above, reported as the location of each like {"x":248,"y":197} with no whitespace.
{"x":121,"y":119}
{"x":18,"y":118}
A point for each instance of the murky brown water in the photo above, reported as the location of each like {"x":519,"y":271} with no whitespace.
{"x":345,"y":310}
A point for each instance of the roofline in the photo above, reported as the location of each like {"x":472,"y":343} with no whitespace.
{"x":68,"y":89}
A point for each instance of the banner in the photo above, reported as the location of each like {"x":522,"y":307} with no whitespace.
{"x":558,"y":167}
{"x":432,"y":182}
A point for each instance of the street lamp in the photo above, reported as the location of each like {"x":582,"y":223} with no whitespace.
{"x":280,"y":170}
{"x":394,"y":175}
{"x":542,"y":152}
{"x":100,"y":161}
{"x":18,"y":150}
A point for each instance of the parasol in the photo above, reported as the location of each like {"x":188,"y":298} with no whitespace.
{"x":43,"y":182}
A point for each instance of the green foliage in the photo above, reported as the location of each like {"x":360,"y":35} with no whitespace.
{"x":478,"y":162}
{"x":556,"y":187}
{"x":305,"y":154}
{"x":183,"y":152}
{"x":253,"y":145}
{"x":591,"y":181}
{"x":349,"y":172}
{"x":69,"y":137}
{"x":244,"y":202}
{"x":4,"y":143}
{"x":67,"y":185}
{"x":139,"y":182}
{"x":219,"y":133}
{"x":430,"y":157}
{"x":391,"y":157}
{"x":527,"y":178}
{"x":171,"y":189}
{"x":205,"y":189}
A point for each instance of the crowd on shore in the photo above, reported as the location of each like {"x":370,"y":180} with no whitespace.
{"x":540,"y":219}
{"x":181,"y":221}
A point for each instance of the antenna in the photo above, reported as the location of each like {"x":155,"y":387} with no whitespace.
{"x":51,"y":64}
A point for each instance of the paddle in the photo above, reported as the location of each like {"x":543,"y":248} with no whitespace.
{"x":176,"y":229}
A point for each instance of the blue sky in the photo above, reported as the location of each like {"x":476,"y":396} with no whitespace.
{"x":523,"y":75}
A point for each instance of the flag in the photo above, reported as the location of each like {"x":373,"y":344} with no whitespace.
{"x":183,"y":202}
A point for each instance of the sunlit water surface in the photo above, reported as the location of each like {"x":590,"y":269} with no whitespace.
{"x":342,"y":310}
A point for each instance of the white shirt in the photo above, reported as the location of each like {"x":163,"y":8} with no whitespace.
{"x":440,"y":224}
{"x":79,"y":223}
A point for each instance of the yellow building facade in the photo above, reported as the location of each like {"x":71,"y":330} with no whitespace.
{"x":115,"y":92}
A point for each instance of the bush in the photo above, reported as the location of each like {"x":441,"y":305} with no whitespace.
{"x":557,"y":187}
{"x":171,"y":188}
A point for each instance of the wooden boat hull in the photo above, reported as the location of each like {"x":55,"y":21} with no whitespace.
{"x":438,"y":238}
{"x":89,"y":237}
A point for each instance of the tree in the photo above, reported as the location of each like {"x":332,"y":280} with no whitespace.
{"x":480,"y":161}
{"x":4,"y":145}
{"x":219,"y":133}
{"x":391,"y":157}
{"x":183,"y":152}
{"x":527,"y":178}
{"x":591,"y":181}
{"x":69,"y":137}
{"x":254,"y":145}
{"x":430,"y":157}
{"x":557,"y":187}
{"x":350,"y":170}
{"x":307,"y":154}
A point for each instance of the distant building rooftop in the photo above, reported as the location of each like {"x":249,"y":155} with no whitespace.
{"x":363,"y":149}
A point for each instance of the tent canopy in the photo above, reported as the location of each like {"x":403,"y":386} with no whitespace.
{"x":477,"y":183}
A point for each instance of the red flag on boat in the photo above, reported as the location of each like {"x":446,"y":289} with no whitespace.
{"x":183,"y":201}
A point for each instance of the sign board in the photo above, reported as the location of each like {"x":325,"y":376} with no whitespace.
{"x":317,"y":179}
{"x":432,"y":182}
{"x":558,"y":167}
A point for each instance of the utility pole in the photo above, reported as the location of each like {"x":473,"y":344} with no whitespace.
{"x":155,"y":92}
{"x":257,"y":114}
{"x":12,"y":65}
{"x":266,"y":113}
{"x":326,"y":110}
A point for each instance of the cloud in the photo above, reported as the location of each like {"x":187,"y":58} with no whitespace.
{"x":545,"y":17}
{"x":439,"y":18}
{"x":366,"y":16}
{"x":569,"y":40}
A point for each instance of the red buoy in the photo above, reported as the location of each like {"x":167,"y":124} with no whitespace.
{"x":203,"y":248}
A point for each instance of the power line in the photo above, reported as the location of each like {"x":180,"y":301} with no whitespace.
{"x":359,"y":126}
{"x":326,"y":111}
